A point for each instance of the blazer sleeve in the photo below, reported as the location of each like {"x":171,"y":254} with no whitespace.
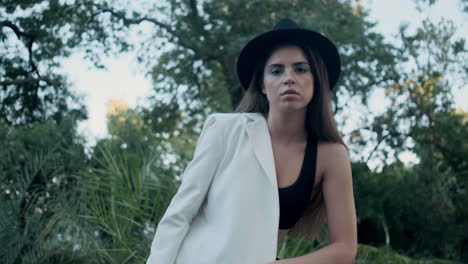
{"x":185,"y":204}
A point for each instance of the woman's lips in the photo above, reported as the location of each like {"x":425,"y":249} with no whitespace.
{"x":290,"y":92}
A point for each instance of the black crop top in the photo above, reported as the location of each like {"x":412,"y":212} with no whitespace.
{"x":294,"y":198}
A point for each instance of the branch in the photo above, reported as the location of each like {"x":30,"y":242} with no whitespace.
{"x":368,"y":128}
{"x":376,"y":147}
{"x":15,"y":29}
{"x":136,"y":21}
{"x":193,"y":6}
{"x":31,"y":80}
{"x":29,"y":42}
{"x":419,"y":103}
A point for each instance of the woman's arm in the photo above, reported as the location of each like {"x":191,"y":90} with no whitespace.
{"x":341,"y":213}
{"x":196,"y":180}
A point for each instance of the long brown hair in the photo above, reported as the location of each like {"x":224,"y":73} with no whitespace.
{"x":319,"y":121}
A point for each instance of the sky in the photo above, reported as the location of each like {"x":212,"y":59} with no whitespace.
{"x":124,"y":80}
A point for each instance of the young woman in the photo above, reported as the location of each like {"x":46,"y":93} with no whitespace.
{"x":277,"y":166}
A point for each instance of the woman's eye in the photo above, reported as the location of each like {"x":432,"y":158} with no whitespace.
{"x":302,"y":70}
{"x":274,"y":71}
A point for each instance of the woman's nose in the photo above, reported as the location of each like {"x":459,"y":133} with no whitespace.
{"x":289,"y":81}
{"x":289,"y":78}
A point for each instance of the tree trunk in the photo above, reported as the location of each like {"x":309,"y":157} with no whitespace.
{"x":387,"y":233}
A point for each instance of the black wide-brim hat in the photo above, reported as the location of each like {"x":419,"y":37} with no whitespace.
{"x":286,"y":30}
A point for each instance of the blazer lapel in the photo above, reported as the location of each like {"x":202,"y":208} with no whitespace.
{"x":259,"y":135}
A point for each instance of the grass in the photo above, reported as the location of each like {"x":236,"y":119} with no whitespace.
{"x":366,"y":254}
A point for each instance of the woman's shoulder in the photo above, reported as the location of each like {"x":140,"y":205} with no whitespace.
{"x":332,"y":149}
{"x":331,"y":155}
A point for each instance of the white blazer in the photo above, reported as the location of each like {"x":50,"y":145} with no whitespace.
{"x":226,"y":210}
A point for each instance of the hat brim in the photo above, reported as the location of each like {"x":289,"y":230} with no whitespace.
{"x":254,"y":49}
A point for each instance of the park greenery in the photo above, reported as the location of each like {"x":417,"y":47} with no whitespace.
{"x":63,"y":204}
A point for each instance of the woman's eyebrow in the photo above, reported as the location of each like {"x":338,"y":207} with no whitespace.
{"x":275,"y":65}
{"x":282,"y":65}
{"x":300,"y":63}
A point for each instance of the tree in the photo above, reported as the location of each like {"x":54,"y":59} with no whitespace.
{"x":421,"y":3}
{"x":35,"y":36}
{"x":422,"y":119}
{"x":193,"y":49}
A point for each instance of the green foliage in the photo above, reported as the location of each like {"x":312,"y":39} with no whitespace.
{"x":396,"y":201}
{"x":291,"y":247}
{"x":369,"y":254}
{"x":124,"y":200}
{"x":128,"y":185}
{"x":38,"y":167}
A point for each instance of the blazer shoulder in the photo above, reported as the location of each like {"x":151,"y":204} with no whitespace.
{"x":232,"y":123}
{"x":225,"y":119}
{"x":226,"y":116}
{"x":232,"y":117}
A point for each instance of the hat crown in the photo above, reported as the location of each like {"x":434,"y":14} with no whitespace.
{"x":287,"y":29}
{"x":286,"y":23}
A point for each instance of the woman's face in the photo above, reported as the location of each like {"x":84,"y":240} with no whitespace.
{"x":287,"y":80}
